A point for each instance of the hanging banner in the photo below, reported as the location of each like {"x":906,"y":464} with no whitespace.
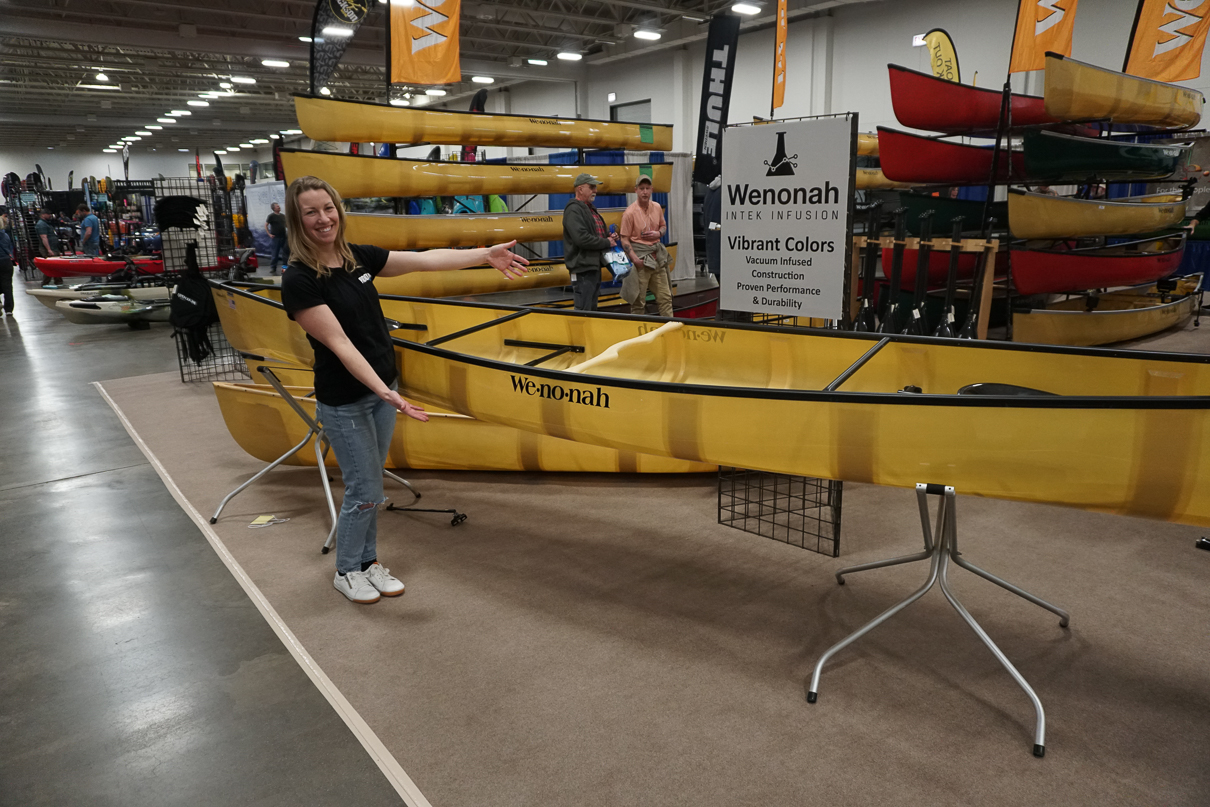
{"x":1167,"y":39}
{"x":332,"y":26}
{"x":786,"y":217}
{"x":1042,"y":25}
{"x":422,"y":42}
{"x":721,"y":43}
{"x":779,"y":59}
{"x":943,"y":56}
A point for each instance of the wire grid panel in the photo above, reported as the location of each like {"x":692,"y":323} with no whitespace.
{"x":798,"y":510}
{"x":218,"y":238}
{"x":222,"y":364}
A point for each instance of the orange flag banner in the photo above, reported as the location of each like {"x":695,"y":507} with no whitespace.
{"x":424,"y":42}
{"x":1042,"y":25}
{"x":1167,"y":40}
{"x":779,"y":57}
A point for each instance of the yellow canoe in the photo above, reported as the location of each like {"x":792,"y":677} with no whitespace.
{"x":1108,"y":318}
{"x":356,"y":176}
{"x":477,"y":229}
{"x":1122,"y":432}
{"x":356,"y":121}
{"x":867,"y":145}
{"x":872,"y":179}
{"x":1038,"y":215}
{"x":266,"y":427}
{"x":1079,"y":91}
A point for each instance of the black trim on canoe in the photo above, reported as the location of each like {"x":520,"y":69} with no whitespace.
{"x":468,"y":112}
{"x":466,"y":165}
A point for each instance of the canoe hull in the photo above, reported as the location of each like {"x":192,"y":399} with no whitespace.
{"x":353,"y":121}
{"x":1119,"y":317}
{"x":92,"y":267}
{"x":1055,"y":272}
{"x":1079,"y":91}
{"x":1055,"y":157}
{"x":1037,"y":216}
{"x":923,"y":101}
{"x":357,"y":176}
{"x":264,"y":426}
{"x":111,"y":312}
{"x":479,"y":229}
{"x":1020,"y":450}
{"x":914,"y":159}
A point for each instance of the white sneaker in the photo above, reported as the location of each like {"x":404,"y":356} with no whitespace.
{"x":380,"y":578}
{"x":356,"y":587}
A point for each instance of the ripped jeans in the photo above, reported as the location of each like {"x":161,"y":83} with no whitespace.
{"x":360,"y":434}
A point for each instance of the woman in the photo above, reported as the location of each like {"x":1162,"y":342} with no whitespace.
{"x":328,"y":290}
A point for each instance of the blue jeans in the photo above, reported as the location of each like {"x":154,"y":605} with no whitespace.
{"x":281,"y":252}
{"x":360,"y":434}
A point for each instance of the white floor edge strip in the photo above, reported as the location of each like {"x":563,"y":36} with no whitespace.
{"x":390,"y":767}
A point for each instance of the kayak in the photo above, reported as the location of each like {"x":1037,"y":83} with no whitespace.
{"x":112,"y":309}
{"x":1079,"y":91}
{"x":82,"y":266}
{"x":361,"y":121}
{"x":49,"y":296}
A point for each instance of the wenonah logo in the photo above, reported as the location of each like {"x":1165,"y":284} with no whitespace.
{"x":781,"y":165}
{"x":558,"y":392}
{"x":425,"y":23}
{"x":1184,"y":18}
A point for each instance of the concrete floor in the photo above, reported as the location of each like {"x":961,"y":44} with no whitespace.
{"x":134,"y":668}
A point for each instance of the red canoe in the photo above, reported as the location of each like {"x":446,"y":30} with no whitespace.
{"x":1054,"y":271}
{"x":92,"y":267}
{"x":923,"y":101}
{"x":939,"y":266}
{"x":914,"y":158}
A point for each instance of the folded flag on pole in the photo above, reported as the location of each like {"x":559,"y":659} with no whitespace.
{"x":423,"y":42}
{"x":1167,"y":39}
{"x":779,"y":57}
{"x":1042,"y":25}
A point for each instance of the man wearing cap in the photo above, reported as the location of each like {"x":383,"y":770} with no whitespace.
{"x":48,"y":236}
{"x":585,"y":239}
{"x":642,"y":228}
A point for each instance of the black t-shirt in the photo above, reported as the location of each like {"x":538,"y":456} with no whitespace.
{"x":277,"y":224}
{"x":354,"y":300}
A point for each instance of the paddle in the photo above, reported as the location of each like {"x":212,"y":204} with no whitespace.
{"x":917,"y":321}
{"x":866,"y":318}
{"x":970,"y":328}
{"x":892,"y":306}
{"x":945,"y":327}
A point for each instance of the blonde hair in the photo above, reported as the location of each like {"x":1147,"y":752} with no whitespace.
{"x":301,"y":247}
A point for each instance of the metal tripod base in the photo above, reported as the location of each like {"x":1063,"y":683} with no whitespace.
{"x":940,"y":548}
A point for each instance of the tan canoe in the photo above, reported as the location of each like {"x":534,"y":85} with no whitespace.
{"x":1039,"y":215}
{"x":478,"y":229}
{"x":357,"y":121}
{"x":1079,"y":91}
{"x":356,"y":176}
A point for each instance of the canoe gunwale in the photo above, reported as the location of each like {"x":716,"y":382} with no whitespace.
{"x":1178,"y":299}
{"x":1123,"y":202}
{"x":447,"y":163}
{"x":1102,"y":140}
{"x":310,"y":97}
{"x":1090,"y":251}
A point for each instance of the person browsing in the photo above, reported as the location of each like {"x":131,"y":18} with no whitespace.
{"x":585,"y":239}
{"x":328,"y":288}
{"x":90,"y":231}
{"x":275,"y":226}
{"x":642,"y":228}
{"x":48,"y":237}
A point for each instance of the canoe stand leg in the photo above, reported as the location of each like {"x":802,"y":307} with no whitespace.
{"x":941,"y":547}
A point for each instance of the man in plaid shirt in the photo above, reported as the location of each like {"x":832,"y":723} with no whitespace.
{"x":585,"y":240}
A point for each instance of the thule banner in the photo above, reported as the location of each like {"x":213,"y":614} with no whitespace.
{"x":332,"y":26}
{"x":716,"y":95}
{"x":787,"y":217}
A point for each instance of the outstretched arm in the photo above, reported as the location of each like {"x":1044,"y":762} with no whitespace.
{"x":499,"y":256}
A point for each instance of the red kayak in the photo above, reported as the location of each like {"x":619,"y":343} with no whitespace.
{"x":82,"y":266}
{"x":914,"y":158}
{"x":1054,"y":271}
{"x":923,"y":101}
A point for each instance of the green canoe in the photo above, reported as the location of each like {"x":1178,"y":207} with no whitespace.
{"x":1054,"y":157}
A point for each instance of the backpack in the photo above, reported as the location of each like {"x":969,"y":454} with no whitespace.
{"x":191,"y":309}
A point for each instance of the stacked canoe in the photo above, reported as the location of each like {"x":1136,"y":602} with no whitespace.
{"x":1064,"y":245}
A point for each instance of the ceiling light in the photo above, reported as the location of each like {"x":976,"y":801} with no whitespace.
{"x":176,"y":113}
{"x":274,"y":62}
{"x":131,"y":138}
{"x":110,"y":151}
{"x":435,"y":93}
{"x":650,"y":36}
{"x":278,"y":137}
{"x":166,"y":120}
{"x":143,"y":133}
{"x":336,"y":30}
{"x":260,"y":141}
{"x":694,"y":17}
{"x":291,"y":131}
{"x":198,"y":103}
{"x":538,"y":62}
{"x":243,"y":79}
{"x":567,"y":56}
{"x":245,"y":145}
{"x":102,"y":77}
{"x":232,"y":148}
{"x":154,"y":127}
{"x":745,"y":8}
{"x":304,"y":39}
{"x":187,"y":151}
{"x":324,"y":91}
{"x":483,"y":79}
{"x":209,"y":94}
{"x":220,"y":151}
{"x":400,"y":102}
{"x":226,"y":85}
{"x":83,"y":86}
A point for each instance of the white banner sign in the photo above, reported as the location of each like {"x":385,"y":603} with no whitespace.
{"x":785,"y":226}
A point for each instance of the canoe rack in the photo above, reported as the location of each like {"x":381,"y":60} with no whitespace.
{"x":989,"y":245}
{"x":941,"y":547}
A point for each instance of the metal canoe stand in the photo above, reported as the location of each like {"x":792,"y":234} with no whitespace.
{"x":940,"y":548}
{"x":322,"y":446}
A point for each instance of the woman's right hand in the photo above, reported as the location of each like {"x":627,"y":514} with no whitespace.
{"x":411,"y":410}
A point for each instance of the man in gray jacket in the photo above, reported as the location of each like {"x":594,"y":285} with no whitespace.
{"x":585,"y":239}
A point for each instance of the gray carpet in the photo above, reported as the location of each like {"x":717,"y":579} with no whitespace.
{"x":602,"y":640}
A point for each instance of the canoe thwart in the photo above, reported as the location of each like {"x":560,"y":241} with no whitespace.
{"x":556,"y":350}
{"x":855,"y":366}
{"x":476,"y":328}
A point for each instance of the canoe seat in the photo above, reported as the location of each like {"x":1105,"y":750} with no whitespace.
{"x":1004,"y":389}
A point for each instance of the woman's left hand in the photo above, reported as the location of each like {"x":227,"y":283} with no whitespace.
{"x":510,"y":264}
